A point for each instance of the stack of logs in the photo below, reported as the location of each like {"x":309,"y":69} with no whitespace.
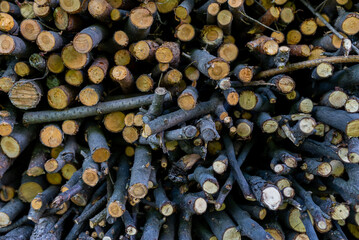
{"x":169,"y":119}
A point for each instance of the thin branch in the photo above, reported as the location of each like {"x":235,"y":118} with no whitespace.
{"x":256,"y":21}
{"x":331,"y":28}
{"x":307,"y":64}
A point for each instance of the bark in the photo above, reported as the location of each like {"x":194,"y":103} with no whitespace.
{"x":116,"y":204}
{"x":140,"y":173}
{"x":222,"y":225}
{"x":10,"y":211}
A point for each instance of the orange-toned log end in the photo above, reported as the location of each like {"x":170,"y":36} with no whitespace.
{"x":141,"y":18}
{"x":101,"y":155}
{"x":90,"y":177}
{"x":138,"y":190}
{"x":35,"y":171}
{"x":7,"y":44}
{"x":51,"y":165}
{"x":115,"y":209}
{"x":30,"y":29}
{"x":51,"y":136}
{"x":83,"y":43}
{"x":28,"y":191}
{"x":232,"y":98}
{"x":141,"y":50}
{"x":246,"y":74}
{"x":186,"y":101}
{"x":164,"y":55}
{"x":73,"y":59}
{"x":350,"y":25}
{"x":185,"y":32}
{"x":25,"y":95}
{"x":45,"y":41}
{"x":228,"y":51}
{"x":218,"y":69}
{"x":36,"y":203}
{"x":130,"y":134}
{"x":144,"y":83}
{"x":89,"y":97}
{"x":114,"y":122}
{"x":59,"y":97}
{"x":70,"y":127}
{"x":5,"y":129}
{"x":96,"y":74}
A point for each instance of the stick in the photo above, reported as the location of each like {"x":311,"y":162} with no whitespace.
{"x":306,"y":64}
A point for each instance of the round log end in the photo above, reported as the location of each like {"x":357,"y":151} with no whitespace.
{"x":10,"y":146}
{"x":89,"y":97}
{"x":210,"y":187}
{"x":28,"y":191}
{"x":350,"y":25}
{"x":200,"y":206}
{"x":114,"y":122}
{"x":271,"y":197}
{"x":269,"y":126}
{"x":70,"y":127}
{"x":90,"y":177}
{"x":116,"y":209}
{"x":36,"y":203}
{"x":167,"y":209}
{"x":185,"y":32}
{"x":101,"y":155}
{"x":141,"y":50}
{"x":83,"y":43}
{"x":138,"y":190}
{"x":231,"y":233}
{"x":51,"y":165}
{"x":164,"y":54}
{"x":141,"y":18}
{"x":51,"y":136}
{"x":306,"y":106}
{"x":218,"y":69}
{"x":4,"y":219}
{"x":341,"y":212}
{"x":5,"y":129}
{"x":72,"y":58}
{"x":186,"y":101}
{"x":144,"y":83}
{"x":70,"y":6}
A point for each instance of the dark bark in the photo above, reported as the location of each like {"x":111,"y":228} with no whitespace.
{"x":85,"y":111}
{"x":116,"y":203}
{"x":140,"y":172}
{"x":153,"y":225}
{"x":221,"y":225}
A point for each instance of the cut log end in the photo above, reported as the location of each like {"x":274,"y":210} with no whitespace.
{"x":185,"y":32}
{"x":167,"y":209}
{"x":101,"y":155}
{"x":28,"y":191}
{"x":36,"y":203}
{"x":90,"y":177}
{"x":51,"y":136}
{"x":114,"y":122}
{"x":306,"y":106}
{"x":5,"y":129}
{"x":341,"y":211}
{"x":271,"y":197}
{"x":115,"y":209}
{"x":89,"y":97}
{"x":269,"y":126}
{"x":10,"y":146}
{"x":73,"y":59}
{"x":25,"y":95}
{"x":70,"y":127}
{"x":352,"y":129}
{"x":51,"y":165}
{"x":138,"y":190}
{"x":186,"y":102}
{"x":200,"y":206}
{"x":219,"y":167}
{"x":83,"y":43}
{"x":231,"y":233}
{"x":141,"y":18}
{"x":350,"y":25}
{"x":218,"y":69}
{"x":210,"y":187}
{"x":4,"y":219}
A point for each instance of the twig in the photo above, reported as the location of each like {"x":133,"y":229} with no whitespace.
{"x":256,"y":21}
{"x":307,"y":64}
{"x":331,"y":28}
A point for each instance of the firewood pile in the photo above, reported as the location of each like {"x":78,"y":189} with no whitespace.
{"x":169,"y":119}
